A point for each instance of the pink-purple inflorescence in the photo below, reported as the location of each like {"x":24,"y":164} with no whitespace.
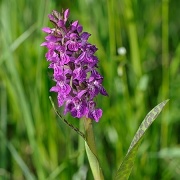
{"x":72,"y":58}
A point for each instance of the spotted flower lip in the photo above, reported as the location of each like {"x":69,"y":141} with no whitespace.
{"x":74,"y":66}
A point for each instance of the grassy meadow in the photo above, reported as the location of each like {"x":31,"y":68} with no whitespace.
{"x":139,"y":57}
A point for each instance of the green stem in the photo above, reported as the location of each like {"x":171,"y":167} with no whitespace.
{"x":90,"y":135}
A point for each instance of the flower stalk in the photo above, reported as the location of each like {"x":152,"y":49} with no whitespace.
{"x":89,"y":135}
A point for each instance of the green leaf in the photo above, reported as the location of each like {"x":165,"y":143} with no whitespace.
{"x":128,"y":162}
{"x":94,"y":163}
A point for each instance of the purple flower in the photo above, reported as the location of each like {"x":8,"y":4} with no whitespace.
{"x":74,"y":66}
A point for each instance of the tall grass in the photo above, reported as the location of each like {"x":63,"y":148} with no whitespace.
{"x":35,"y":145}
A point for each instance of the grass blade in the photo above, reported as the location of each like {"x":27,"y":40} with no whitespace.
{"x":57,"y":171}
{"x":18,"y":159}
{"x":20,"y":162}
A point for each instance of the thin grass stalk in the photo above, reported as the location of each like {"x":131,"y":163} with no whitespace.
{"x":3,"y":126}
{"x":133,"y":38}
{"x":135,"y":56}
{"x":111,"y":22}
{"x":165,"y":69}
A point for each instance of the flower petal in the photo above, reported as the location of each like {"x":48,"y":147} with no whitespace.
{"x":66,"y":14}
{"x":96,"y":114}
{"x":47,"y":30}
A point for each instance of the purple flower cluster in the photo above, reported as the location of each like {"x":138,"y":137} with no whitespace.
{"x":74,"y":63}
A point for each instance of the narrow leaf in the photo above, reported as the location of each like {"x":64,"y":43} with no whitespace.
{"x":94,"y":163}
{"x":128,"y":162}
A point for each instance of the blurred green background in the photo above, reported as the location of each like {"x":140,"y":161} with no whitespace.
{"x":139,"y":54}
